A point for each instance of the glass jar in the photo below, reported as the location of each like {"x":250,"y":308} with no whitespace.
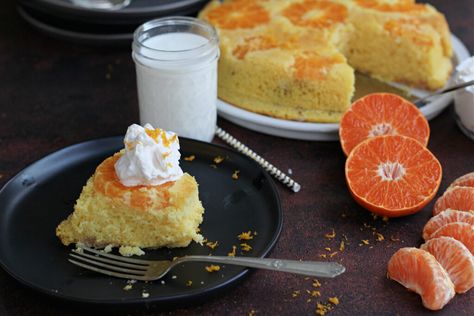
{"x":176,"y":66}
{"x":464,"y":98}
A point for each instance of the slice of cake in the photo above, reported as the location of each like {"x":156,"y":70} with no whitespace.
{"x":139,"y":197}
{"x":295,"y":59}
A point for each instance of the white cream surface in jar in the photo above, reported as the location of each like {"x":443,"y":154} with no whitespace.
{"x":464,"y":98}
{"x":177,"y":83}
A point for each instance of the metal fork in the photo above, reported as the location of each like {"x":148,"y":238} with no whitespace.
{"x":147,"y":270}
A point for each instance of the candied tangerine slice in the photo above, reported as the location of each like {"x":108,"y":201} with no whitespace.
{"x":446,"y":217}
{"x":244,"y":14}
{"x":456,"y":198}
{"x":466,"y":180}
{"x":254,"y":43}
{"x":107,"y":183}
{"x":381,"y":114}
{"x":391,"y":5}
{"x":409,"y":28}
{"x":392,"y":175}
{"x":315,"y":13}
{"x":455,"y":258}
{"x":464,"y":232}
{"x":419,"y":271}
{"x":313,"y":66}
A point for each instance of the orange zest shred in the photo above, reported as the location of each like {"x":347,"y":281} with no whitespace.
{"x":232,"y":253}
{"x":245,"y":247}
{"x":235,"y":175}
{"x":218,"y":160}
{"x":212,"y":245}
{"x":245,"y":236}
{"x":190,"y":158}
{"x":212,"y":268}
{"x":330,"y":235}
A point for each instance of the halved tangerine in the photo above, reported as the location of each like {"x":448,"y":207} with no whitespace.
{"x":455,"y":258}
{"x":419,"y":271}
{"x":456,"y":198}
{"x":466,"y":180}
{"x":446,"y":217}
{"x":392,"y":175}
{"x":315,"y":13}
{"x":464,"y":232}
{"x":381,"y":114}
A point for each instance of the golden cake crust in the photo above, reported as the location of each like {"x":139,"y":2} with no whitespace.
{"x":295,"y":59}
{"x":108,"y":213}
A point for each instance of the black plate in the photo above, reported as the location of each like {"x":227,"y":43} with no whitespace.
{"x":34,"y":202}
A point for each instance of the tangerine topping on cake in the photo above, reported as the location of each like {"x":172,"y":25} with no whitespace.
{"x":245,"y":14}
{"x":391,"y":5}
{"x":410,"y":28}
{"x":107,"y":183}
{"x":254,"y":43}
{"x":315,"y":13}
{"x":311,"y":65}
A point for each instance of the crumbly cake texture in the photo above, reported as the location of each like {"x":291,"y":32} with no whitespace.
{"x":295,"y":59}
{"x":108,"y":213}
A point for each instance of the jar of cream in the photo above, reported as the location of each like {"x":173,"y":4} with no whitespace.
{"x":176,"y":66}
{"x":464,"y":98}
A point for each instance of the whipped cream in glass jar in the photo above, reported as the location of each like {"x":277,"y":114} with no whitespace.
{"x":176,"y":66}
{"x":464,"y":98}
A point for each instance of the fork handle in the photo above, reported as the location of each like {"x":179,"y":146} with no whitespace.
{"x":311,"y":268}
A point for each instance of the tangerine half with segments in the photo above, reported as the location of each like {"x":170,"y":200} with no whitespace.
{"x":379,"y":114}
{"x":392,"y":175}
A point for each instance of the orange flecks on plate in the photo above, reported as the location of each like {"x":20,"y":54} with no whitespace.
{"x":446,"y":217}
{"x":254,"y":43}
{"x":212,"y":268}
{"x":455,"y":258}
{"x":381,"y":114}
{"x":457,"y":198}
{"x":315,"y":13}
{"x":245,"y":14}
{"x":107,"y":183}
{"x":392,"y":175}
{"x":190,"y":158}
{"x":463,"y":232}
{"x":466,"y":180}
{"x":392,"y":6}
{"x":420,"y":272}
{"x":312,"y":66}
{"x":412,"y":29}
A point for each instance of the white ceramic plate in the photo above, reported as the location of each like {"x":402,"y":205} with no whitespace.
{"x":326,"y":131}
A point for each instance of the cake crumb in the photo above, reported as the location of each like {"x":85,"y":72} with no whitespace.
{"x":333,"y":254}
{"x":213,"y":268}
{"x":189,"y":283}
{"x":245,"y":247}
{"x":333,"y":300}
{"x":145,"y":294}
{"x":315,"y":293}
{"x":327,"y":249}
{"x":174,"y":277}
{"x":235,"y":175}
{"x":232,"y":253}
{"x":128,"y":251}
{"x":218,"y":160}
{"x":108,"y":248}
{"x":295,"y":293}
{"x":365,"y":241}
{"x":252,"y":312}
{"x":190,"y":158}
{"x":128,"y":287}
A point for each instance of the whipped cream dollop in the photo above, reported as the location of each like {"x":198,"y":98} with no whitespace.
{"x":151,"y":157}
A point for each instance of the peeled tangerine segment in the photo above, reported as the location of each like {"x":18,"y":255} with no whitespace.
{"x":456,"y":198}
{"x":419,"y":271}
{"x":463,"y":232}
{"x":466,"y":180}
{"x":446,"y":217}
{"x":455,"y":258}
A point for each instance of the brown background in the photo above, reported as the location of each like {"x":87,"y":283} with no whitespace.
{"x":55,"y":93}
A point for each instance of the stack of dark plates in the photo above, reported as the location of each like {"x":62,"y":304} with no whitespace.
{"x":63,"y":19}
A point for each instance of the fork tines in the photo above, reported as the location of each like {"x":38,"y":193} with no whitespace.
{"x":109,"y":264}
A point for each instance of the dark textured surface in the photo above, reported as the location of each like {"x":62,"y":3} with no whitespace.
{"x":54,"y":94}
